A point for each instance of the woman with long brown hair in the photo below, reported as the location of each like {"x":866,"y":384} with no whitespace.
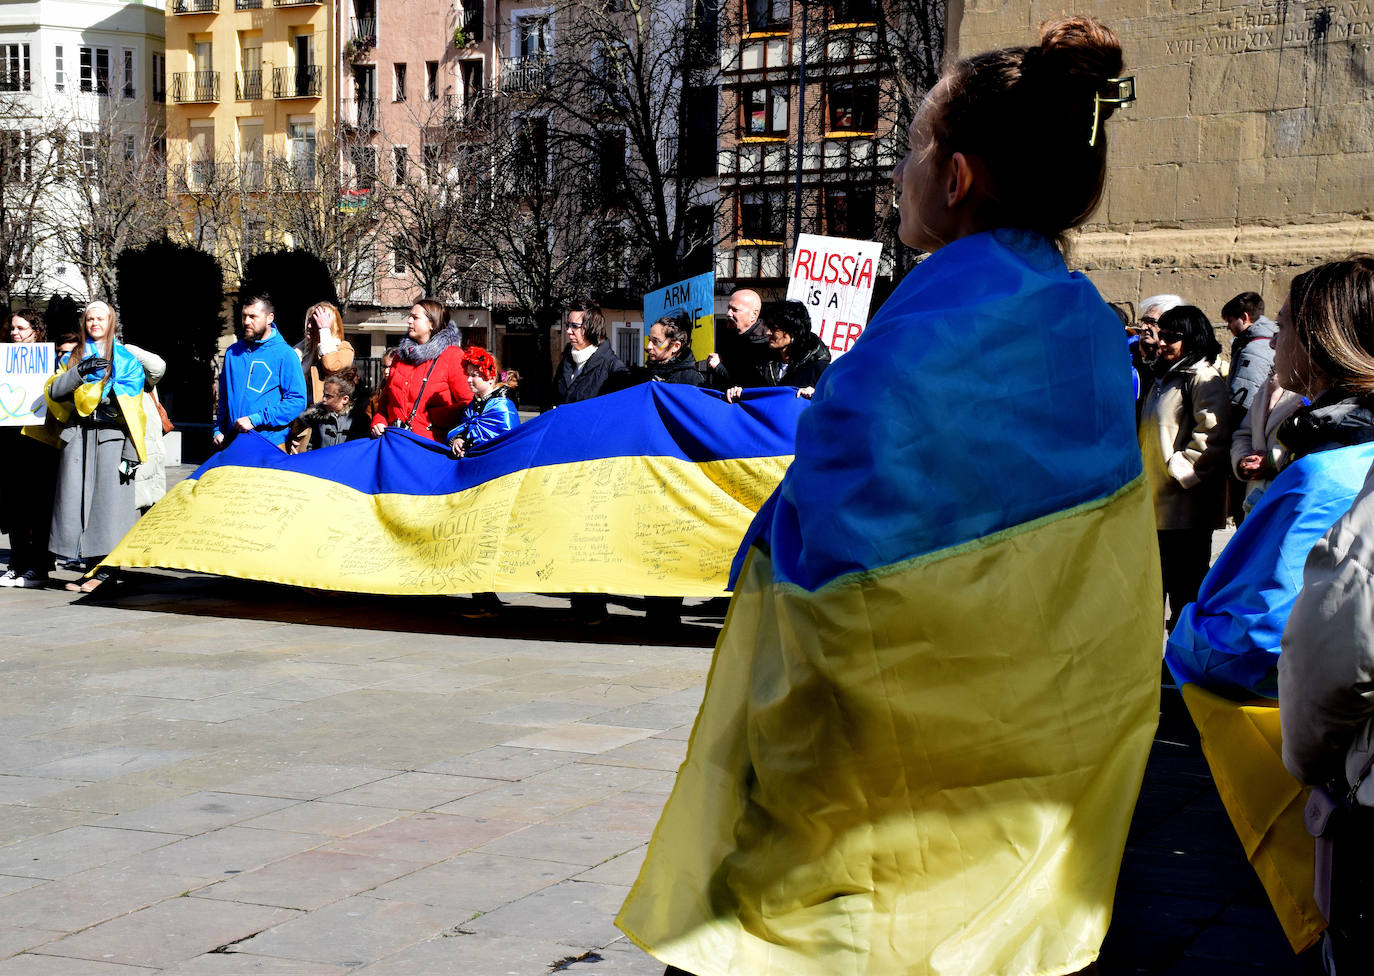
{"x":26,"y":492}
{"x":95,"y":401}
{"x":428,"y":387}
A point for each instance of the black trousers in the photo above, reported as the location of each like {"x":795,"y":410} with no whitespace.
{"x":1185,"y":555}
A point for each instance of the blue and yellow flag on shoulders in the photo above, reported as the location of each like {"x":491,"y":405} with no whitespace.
{"x":645,"y":491}
{"x":928,"y":715}
{"x":1224,"y":653}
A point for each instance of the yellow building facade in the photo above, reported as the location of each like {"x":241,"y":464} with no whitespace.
{"x":248,"y":81}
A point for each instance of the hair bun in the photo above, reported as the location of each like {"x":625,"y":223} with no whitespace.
{"x":1080,"y":51}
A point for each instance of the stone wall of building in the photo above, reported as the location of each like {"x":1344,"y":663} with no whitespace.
{"x":1249,"y":155}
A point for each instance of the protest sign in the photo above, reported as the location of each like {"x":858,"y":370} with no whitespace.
{"x":695,"y":296}
{"x":833,"y":277}
{"x":24,"y":371}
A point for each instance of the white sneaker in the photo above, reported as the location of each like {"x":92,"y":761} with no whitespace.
{"x":31,"y":578}
{"x":11,"y":578}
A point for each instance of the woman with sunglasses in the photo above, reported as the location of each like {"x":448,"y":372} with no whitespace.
{"x":1185,"y":427}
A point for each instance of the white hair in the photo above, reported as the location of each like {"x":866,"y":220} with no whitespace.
{"x":1162,"y":302}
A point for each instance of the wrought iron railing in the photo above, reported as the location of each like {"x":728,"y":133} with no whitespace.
{"x":195,"y":86}
{"x":302,"y":81}
{"x":248,"y":85}
{"x":528,"y":74}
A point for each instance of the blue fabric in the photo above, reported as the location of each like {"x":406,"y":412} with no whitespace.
{"x":479,"y":424}
{"x":263,"y":382}
{"x":1229,"y":640}
{"x":128,"y":371}
{"x":652,"y":419}
{"x":994,"y":380}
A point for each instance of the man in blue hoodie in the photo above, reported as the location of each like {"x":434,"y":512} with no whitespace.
{"x":261,"y":386}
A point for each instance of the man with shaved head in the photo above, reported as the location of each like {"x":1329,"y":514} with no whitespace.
{"x":746,"y":351}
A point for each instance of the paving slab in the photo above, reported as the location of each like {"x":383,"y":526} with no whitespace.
{"x":310,"y":879}
{"x":353,"y":932}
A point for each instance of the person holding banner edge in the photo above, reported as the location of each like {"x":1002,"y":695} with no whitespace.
{"x":26,"y":498}
{"x":929,"y":712}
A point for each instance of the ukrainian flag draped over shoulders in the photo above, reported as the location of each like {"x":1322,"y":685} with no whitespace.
{"x":928,"y":715}
{"x":126,"y":384}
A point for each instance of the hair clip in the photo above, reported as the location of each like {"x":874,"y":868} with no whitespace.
{"x":1124,"y":89}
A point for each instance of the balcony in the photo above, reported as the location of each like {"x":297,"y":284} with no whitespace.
{"x":195,"y":6}
{"x":195,"y":86}
{"x":533,"y":73}
{"x":302,"y":81}
{"x":363,"y":31}
{"x":248,"y":85}
{"x":247,"y":4}
{"x":361,"y":113}
{"x":201,"y":174}
{"x":296,"y":3}
{"x":251,"y":174}
{"x":472,"y":110}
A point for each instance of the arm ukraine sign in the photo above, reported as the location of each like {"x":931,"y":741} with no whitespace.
{"x":646,"y":491}
{"x":833,"y":277}
{"x":694,"y":296}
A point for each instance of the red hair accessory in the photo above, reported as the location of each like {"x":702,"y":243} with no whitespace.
{"x":482,"y":361}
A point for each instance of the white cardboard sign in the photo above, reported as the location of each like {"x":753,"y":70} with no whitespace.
{"x":833,"y":277}
{"x":24,"y":371}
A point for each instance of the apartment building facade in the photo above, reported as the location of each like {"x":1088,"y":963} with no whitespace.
{"x":809,"y":131}
{"x":77,"y":65}
{"x":248,"y":82}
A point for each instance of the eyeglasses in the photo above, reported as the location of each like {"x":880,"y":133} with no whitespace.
{"x":1149,"y":320}
{"x":1168,"y":337}
{"x":655,"y":343}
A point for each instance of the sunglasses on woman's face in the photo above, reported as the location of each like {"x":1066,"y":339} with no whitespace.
{"x":1170,"y":337}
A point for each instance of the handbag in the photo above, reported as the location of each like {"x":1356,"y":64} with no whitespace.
{"x":167,"y":425}
{"x":1343,"y":872}
{"x":415,"y":407}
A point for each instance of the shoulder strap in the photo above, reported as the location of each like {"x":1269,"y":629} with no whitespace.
{"x":414,"y":407}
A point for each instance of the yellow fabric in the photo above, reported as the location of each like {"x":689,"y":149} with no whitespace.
{"x":656,"y":526}
{"x":1244,"y":748}
{"x":928,"y":769}
{"x":84,"y":401}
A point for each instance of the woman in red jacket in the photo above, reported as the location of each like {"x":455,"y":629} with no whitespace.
{"x":428,"y":388}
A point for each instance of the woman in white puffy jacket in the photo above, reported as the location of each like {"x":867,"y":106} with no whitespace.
{"x":1185,"y":428}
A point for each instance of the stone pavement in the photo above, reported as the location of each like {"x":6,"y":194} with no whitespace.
{"x":208,"y":777}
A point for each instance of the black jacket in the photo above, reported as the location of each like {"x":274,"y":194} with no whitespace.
{"x":681,"y":369}
{"x":809,"y":358}
{"x":595,"y":377}
{"x":743,"y":357}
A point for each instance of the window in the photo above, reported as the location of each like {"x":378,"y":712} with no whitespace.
{"x":763,"y":14}
{"x":472,"y":19}
{"x":850,"y":212}
{"x":765,"y":111}
{"x":14,"y":67}
{"x":853,"y":106}
{"x":250,"y":153}
{"x":400,"y":82}
{"x":400,"y":163}
{"x":59,"y":73}
{"x":201,"y":153}
{"x":853,"y":11}
{"x":95,"y":70}
{"x":398,"y":261}
{"x":17,"y":163}
{"x":87,"y":142}
{"x":129,"y":148}
{"x":364,"y":166}
{"x":610,"y":162}
{"x":763,"y":216}
{"x":532,"y":150}
{"x":533,"y":36}
{"x":159,"y":77}
{"x":300,"y":135}
{"x":429,"y":160}
{"x":432,"y":81}
{"x":127,"y":89}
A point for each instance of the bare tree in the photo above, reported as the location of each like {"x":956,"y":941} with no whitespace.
{"x":30,"y":169}
{"x":631,"y":97}
{"x":114,"y":192}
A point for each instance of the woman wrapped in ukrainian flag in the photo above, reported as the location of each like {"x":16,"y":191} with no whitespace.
{"x":928,"y":715}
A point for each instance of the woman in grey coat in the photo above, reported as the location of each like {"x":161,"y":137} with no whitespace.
{"x":96,"y":399}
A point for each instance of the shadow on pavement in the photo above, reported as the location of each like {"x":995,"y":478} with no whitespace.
{"x":525,"y":617}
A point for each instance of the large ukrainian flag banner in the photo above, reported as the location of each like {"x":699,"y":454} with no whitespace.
{"x":648,"y":490}
{"x":928,"y":715}
{"x":1224,"y":653}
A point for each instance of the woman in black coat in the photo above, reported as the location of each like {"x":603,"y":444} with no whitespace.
{"x":798,"y":357}
{"x":589,"y":366}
